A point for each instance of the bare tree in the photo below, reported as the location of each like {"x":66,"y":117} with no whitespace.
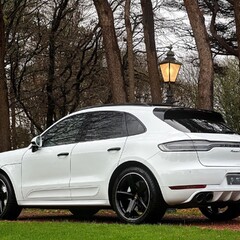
{"x":149,"y":37}
{"x":236,"y":5}
{"x":76,"y":63}
{"x":130,"y":53}
{"x":206,"y":74}
{"x":59,"y":13}
{"x":113,"y":57}
{"x":4,"y":106}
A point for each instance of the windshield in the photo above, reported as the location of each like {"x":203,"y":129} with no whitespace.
{"x":191,"y":120}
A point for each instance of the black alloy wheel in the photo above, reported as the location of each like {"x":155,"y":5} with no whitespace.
{"x":221,"y":213}
{"x":9,"y":209}
{"x":3,"y":196}
{"x":136,"y":198}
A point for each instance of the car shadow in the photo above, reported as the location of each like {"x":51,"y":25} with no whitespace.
{"x":109,"y":217}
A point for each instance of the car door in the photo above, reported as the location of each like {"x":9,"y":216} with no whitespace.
{"x":96,"y":156}
{"x":46,"y":172}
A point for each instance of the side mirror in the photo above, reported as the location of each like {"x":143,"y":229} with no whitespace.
{"x":36,"y":143}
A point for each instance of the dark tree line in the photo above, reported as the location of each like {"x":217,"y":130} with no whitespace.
{"x":58,"y":56}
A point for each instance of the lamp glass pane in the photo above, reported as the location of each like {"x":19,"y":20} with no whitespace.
{"x":165,"y":71}
{"x":174,"y":69}
{"x":170,"y":71}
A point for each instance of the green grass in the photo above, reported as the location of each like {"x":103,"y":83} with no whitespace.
{"x":80,"y":230}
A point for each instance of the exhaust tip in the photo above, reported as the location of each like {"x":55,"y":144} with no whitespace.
{"x":200,"y":198}
{"x":203,"y":198}
{"x":209,"y":197}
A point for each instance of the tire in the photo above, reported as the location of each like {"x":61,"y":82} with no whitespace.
{"x":217,"y":213}
{"x":136,"y":197}
{"x":9,"y":209}
{"x":83,"y":212}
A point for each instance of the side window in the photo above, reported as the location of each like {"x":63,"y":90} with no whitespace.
{"x":66,"y":131}
{"x":105,"y":125}
{"x":134,"y":126}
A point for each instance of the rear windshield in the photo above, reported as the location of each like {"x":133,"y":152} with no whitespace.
{"x":191,"y":120}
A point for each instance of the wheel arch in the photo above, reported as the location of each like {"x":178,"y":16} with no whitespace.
{"x":6,"y":175}
{"x":127,"y":165}
{"x":11,"y":181}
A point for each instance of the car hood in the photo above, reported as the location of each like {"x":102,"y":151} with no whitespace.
{"x":12,"y":157}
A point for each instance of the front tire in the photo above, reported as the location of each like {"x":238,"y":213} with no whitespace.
{"x":9,"y":209}
{"x":221,"y":213}
{"x":83,"y":212}
{"x":136,"y":197}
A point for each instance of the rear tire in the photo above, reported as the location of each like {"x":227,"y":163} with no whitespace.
{"x":223,"y":213}
{"x":9,"y":209}
{"x":136,"y":197}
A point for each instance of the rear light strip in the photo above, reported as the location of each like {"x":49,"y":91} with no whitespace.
{"x":195,"y":145}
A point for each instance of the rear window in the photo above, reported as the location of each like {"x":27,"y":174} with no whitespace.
{"x":134,"y":125}
{"x":192,"y":120}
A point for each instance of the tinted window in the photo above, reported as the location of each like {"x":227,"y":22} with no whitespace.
{"x":66,"y":131}
{"x":190,"y":120}
{"x":134,"y":126}
{"x":104,"y":125}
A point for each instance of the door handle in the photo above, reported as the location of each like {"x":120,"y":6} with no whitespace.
{"x":114,"y":149}
{"x":63,"y":154}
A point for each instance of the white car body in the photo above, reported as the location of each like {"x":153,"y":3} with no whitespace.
{"x":79,"y":174}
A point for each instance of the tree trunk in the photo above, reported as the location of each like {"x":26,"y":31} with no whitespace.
{"x":149,"y":37}
{"x":113,"y":57}
{"x":51,"y":79}
{"x":4,"y":105}
{"x":236,"y":5}
{"x":58,"y":14}
{"x":13,"y":125}
{"x":206,"y":75}
{"x":130,"y":54}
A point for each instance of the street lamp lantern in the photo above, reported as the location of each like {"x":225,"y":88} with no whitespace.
{"x":170,"y":68}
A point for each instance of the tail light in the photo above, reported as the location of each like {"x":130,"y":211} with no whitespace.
{"x":195,"y":145}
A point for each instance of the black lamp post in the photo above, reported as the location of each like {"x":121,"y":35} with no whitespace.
{"x":170,"y":68}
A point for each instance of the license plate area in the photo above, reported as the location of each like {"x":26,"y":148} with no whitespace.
{"x":233,"y":179}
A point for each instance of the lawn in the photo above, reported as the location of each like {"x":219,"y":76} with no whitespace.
{"x":32,"y":230}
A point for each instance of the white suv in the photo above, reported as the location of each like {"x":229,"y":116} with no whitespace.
{"x":137,"y":159}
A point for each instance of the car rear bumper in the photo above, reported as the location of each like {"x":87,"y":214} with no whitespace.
{"x":201,"y":193}
{"x":184,"y":181}
{"x":208,"y":196}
